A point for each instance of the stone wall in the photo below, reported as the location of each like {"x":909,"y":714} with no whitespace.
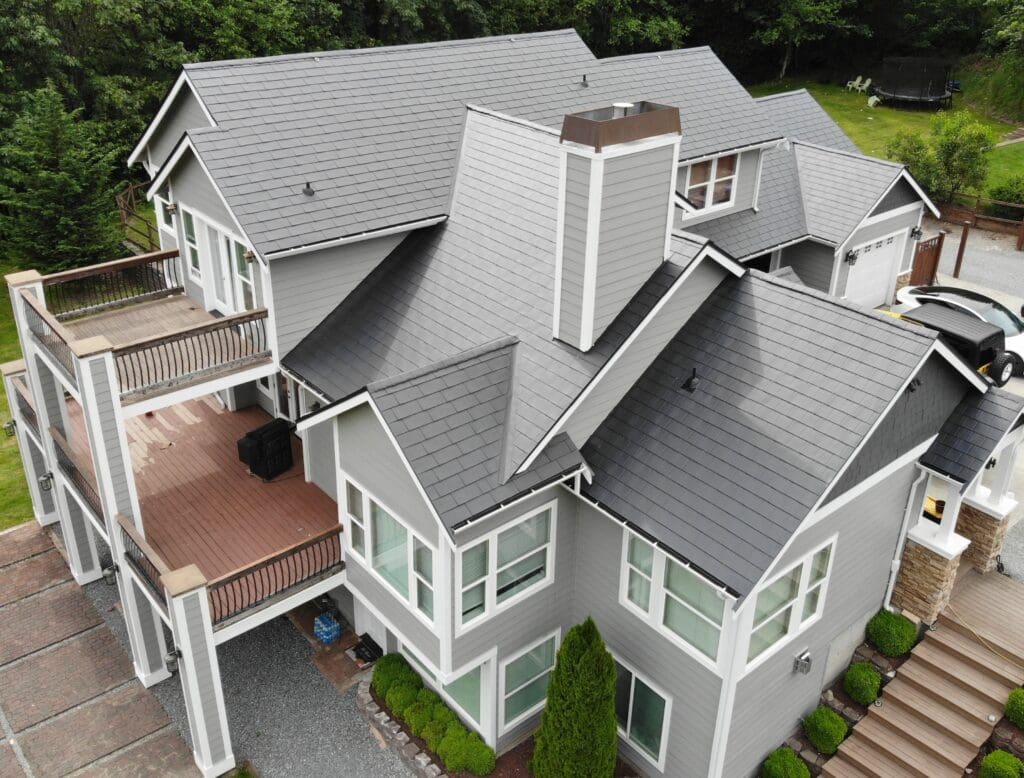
{"x":986,"y":534}
{"x":924,"y":583}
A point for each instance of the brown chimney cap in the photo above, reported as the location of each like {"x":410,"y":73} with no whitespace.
{"x":620,"y":123}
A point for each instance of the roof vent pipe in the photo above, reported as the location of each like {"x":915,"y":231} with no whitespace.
{"x":584,"y":81}
{"x":308,"y":190}
{"x":620,"y":109}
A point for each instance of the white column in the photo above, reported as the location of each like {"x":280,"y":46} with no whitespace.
{"x":942,"y":539}
{"x":189,"y":606}
{"x":1002,"y":476}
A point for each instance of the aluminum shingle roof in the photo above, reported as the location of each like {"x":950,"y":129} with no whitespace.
{"x":800,"y":118}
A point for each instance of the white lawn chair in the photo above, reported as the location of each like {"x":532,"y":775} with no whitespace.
{"x":855,"y":84}
{"x":864,"y":86}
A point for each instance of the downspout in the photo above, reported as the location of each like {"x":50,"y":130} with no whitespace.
{"x":897,"y":561}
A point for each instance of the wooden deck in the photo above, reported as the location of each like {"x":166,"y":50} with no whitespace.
{"x":153,"y":318}
{"x":991,"y":606}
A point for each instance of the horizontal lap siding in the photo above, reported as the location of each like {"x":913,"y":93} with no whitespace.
{"x":812,"y":262}
{"x":193,"y":189}
{"x":900,"y":195}
{"x":107,"y":411}
{"x":307,"y":287}
{"x":574,"y":245}
{"x":771,"y":700}
{"x":694,"y":689}
{"x":319,"y":452}
{"x":184,"y":114}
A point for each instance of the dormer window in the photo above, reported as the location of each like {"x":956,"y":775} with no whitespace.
{"x":712,"y":182}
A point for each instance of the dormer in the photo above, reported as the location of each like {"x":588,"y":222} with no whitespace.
{"x":717,"y":185}
{"x":615,"y":212}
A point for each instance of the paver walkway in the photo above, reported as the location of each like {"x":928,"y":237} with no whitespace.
{"x":70,"y":703}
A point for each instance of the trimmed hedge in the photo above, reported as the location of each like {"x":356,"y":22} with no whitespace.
{"x":891,"y":633}
{"x":785,"y":763}
{"x":1014,"y":709}
{"x":862,"y":682}
{"x":825,"y":729}
{"x":433,"y":733}
{"x":390,"y":670}
{"x":1001,"y":764}
{"x":417,"y":716}
{"x":428,"y":697}
{"x":399,"y":697}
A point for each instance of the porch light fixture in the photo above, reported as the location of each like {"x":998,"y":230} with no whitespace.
{"x":802,"y":663}
{"x":990,"y":464}
{"x":249,"y":256}
{"x":914,"y":385}
{"x":916,"y":233}
{"x":851,"y":257}
{"x":9,"y":426}
{"x":171,"y":208}
{"x":110,"y":574}
{"x":46,"y":481}
{"x":171,"y":660}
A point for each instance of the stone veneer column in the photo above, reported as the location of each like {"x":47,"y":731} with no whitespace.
{"x":925,"y":581}
{"x":986,"y":531}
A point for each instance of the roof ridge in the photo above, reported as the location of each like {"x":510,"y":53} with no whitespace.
{"x":788,"y":93}
{"x":655,"y":54}
{"x":851,"y":154}
{"x":441,"y":364}
{"x":333,"y":53}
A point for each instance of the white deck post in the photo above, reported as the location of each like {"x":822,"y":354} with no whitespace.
{"x":189,"y":606}
{"x":115,"y":483}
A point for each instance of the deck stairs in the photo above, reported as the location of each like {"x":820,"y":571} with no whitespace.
{"x":939,"y":710}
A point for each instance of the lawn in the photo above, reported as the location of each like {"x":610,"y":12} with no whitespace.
{"x":872,"y":128}
{"x":15,"y":504}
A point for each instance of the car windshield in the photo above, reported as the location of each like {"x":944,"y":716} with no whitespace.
{"x":1001,"y":317}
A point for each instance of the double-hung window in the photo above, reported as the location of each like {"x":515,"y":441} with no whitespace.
{"x":712,"y":183}
{"x":642,"y":713}
{"x":188,"y":225}
{"x":242,"y":267}
{"x":164,"y":214}
{"x":525,"y":681}
{"x":790,"y":602}
{"x":394,"y":552}
{"x":498,"y":570}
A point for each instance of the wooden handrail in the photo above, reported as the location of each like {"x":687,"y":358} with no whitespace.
{"x":217,"y":324}
{"x":271,"y":558}
{"x":22,"y":389}
{"x":129,"y":528}
{"x":36,"y":305}
{"x":106,"y":267}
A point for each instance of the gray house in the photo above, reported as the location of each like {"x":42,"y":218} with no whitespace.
{"x":549,"y":354}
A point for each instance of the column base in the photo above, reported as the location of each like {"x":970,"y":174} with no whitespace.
{"x":87,"y":578}
{"x":986,"y":529}
{"x":152,"y":678}
{"x":46,"y":519}
{"x":925,"y":580}
{"x":218,"y":768}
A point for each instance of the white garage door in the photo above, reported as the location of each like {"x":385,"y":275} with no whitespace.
{"x":871,"y":277}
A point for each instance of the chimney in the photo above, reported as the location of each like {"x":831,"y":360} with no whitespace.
{"x":616,"y":197}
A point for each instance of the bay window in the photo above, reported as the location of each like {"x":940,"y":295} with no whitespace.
{"x":525,"y":681}
{"x":642,"y":713}
{"x":712,"y":182}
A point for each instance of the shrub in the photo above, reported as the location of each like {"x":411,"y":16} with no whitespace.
{"x":784,"y":763}
{"x":891,"y":633}
{"x":862,"y":682}
{"x":444,"y":715}
{"x":479,"y":757}
{"x":1001,"y":764}
{"x":399,"y":697}
{"x":433,"y":733}
{"x":452,"y":748}
{"x":1014,"y":709}
{"x":578,"y":734}
{"x":429,"y":697}
{"x":392,"y":669}
{"x":417,"y":716}
{"x":1010,"y":191}
{"x":825,"y":729}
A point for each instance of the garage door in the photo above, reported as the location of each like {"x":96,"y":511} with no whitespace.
{"x":871,"y":277}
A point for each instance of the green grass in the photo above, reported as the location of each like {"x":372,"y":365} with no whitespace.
{"x":15,"y":503}
{"x":872,"y":128}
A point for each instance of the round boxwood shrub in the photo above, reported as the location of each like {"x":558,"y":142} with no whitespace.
{"x":862,"y":682}
{"x":891,"y":633}
{"x":392,"y":669}
{"x":1014,"y":709}
{"x":825,"y":729}
{"x":417,"y":716}
{"x":1001,"y":764}
{"x":433,"y":733}
{"x":479,"y":757}
{"x":784,"y":763}
{"x":444,"y":715}
{"x":428,"y":696}
{"x":452,"y":748}
{"x":399,"y":697}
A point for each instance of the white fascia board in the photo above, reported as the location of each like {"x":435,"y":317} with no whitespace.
{"x":909,"y":178}
{"x":358,"y":237}
{"x":305,"y":385}
{"x":773,"y":143}
{"x":182,"y":80}
{"x":330,"y":411}
{"x":903,"y":175}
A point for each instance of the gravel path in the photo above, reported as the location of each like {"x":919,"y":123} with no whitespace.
{"x":990,"y":260}
{"x":285,"y":717}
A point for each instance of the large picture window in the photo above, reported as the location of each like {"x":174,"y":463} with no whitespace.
{"x":712,"y":183}
{"x":642,"y":713}
{"x":790,"y":602}
{"x":525,"y":681}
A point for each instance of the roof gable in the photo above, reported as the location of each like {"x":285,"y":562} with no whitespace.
{"x":800,"y":117}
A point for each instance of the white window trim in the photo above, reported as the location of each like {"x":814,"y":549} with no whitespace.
{"x":665,"y":724}
{"x":505,"y":726}
{"x":196,"y":274}
{"x":158,"y":203}
{"x":710,"y":185}
{"x":411,"y":599}
{"x":491,"y":607}
{"x":655,"y":615}
{"x":795,"y":626}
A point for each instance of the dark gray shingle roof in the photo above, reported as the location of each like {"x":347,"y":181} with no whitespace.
{"x":800,"y":118}
{"x":376,"y":131}
{"x":970,"y":435}
{"x":791,"y":381}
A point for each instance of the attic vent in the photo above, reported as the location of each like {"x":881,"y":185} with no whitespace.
{"x":308,"y":190}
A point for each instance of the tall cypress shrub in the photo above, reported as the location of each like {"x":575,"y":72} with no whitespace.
{"x":577,"y":736}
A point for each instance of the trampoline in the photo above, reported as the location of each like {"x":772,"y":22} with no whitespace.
{"x":917,"y":81}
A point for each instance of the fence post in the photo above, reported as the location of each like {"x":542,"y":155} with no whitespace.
{"x":960,"y":250}
{"x":1020,"y":235}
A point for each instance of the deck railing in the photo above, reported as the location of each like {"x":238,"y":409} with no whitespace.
{"x":83,"y":481}
{"x":50,"y":333}
{"x":239,"y":591}
{"x":96,"y":288}
{"x":24,"y":402}
{"x":154,"y":364}
{"x":147,"y":564}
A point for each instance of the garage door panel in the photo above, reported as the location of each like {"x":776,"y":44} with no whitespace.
{"x":870,"y":277}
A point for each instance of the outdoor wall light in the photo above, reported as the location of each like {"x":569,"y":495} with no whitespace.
{"x":171,"y":660}
{"x":46,"y":482}
{"x":990,"y":464}
{"x":9,"y":426}
{"x":172,"y":208}
{"x":851,"y":257}
{"x":916,"y":233}
{"x":110,"y":574}
{"x":802,"y":663}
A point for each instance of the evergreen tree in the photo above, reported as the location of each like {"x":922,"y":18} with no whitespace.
{"x":57,"y":207}
{"x":577,"y":736}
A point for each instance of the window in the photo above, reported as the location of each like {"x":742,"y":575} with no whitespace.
{"x":671,"y":597}
{"x":711,"y":183}
{"x":397,"y":555}
{"x":242,"y":271}
{"x":525,"y":681}
{"x":165,"y":217}
{"x":191,"y":243}
{"x":465,"y":690}
{"x":642,"y":713}
{"x":790,"y":602}
{"x":511,"y":562}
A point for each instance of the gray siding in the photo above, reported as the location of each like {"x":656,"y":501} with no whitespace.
{"x":771,"y":699}
{"x":914,"y":418}
{"x":38,"y":468}
{"x":52,"y":397}
{"x":746,"y":187}
{"x":574,"y":246}
{"x":634,"y":214}
{"x":694,"y":689}
{"x":193,"y":188}
{"x":873,"y":232}
{"x":185,"y":113}
{"x":204,"y":680}
{"x":812,"y":262}
{"x":81,"y":529}
{"x":307,"y":287}
{"x":900,"y":195}
{"x":631,"y":365}
{"x":319,"y":452}
{"x":106,"y":410}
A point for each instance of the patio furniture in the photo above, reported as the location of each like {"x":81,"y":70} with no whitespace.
{"x":855,"y":84}
{"x":863,"y":87}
